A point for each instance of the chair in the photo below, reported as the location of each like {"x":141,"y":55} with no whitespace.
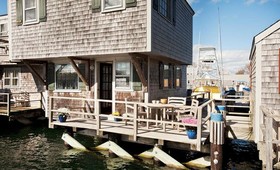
{"x":129,"y":110}
{"x":177,"y":101}
{"x":24,"y":99}
{"x":191,"y":111}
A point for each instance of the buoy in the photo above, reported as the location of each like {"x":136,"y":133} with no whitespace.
{"x":72,"y":142}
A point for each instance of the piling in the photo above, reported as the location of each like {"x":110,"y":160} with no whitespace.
{"x":217,"y":130}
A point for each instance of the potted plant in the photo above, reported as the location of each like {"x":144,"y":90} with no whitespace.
{"x":191,"y":131}
{"x":62,"y":117}
{"x":116,"y":114}
{"x":62,"y":114}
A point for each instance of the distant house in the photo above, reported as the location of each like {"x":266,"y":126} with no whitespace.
{"x":103,"y":49}
{"x":265,"y":84}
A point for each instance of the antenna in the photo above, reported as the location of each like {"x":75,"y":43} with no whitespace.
{"x":221,"y":50}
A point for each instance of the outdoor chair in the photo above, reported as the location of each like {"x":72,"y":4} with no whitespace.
{"x":191,"y":111}
{"x":129,"y":110}
{"x":177,"y":101}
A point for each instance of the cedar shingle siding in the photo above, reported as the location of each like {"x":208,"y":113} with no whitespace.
{"x":73,"y":29}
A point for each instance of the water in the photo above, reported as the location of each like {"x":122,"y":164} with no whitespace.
{"x":38,"y":147}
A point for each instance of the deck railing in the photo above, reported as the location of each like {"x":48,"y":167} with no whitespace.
{"x":81,"y":117}
{"x":10,"y":101}
{"x":270,"y":137}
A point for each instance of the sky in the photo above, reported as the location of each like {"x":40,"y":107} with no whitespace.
{"x":240,"y":21}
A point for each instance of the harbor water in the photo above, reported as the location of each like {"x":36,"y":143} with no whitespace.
{"x":36,"y":146}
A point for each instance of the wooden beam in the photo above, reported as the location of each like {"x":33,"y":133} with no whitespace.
{"x":32,"y":70}
{"x":139,"y":71}
{"x":78,"y":71}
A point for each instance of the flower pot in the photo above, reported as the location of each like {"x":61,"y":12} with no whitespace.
{"x":191,"y":134}
{"x":217,"y":117}
{"x":62,"y":118}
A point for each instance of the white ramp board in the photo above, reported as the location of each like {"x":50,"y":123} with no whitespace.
{"x":72,"y":142}
{"x":166,"y":159}
{"x":112,"y":146}
{"x":202,"y":162}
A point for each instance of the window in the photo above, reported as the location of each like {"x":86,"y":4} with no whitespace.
{"x":66,"y":77}
{"x":11,"y":77}
{"x":166,"y":8}
{"x":123,"y":72}
{"x":112,"y":5}
{"x":166,"y":75}
{"x":30,"y":11}
{"x":177,"y":76}
{"x":3,"y":30}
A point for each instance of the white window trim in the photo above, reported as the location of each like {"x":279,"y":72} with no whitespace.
{"x":130,"y":88}
{"x":64,"y":90}
{"x":34,"y":21}
{"x":110,"y":9}
{"x":19,"y":75}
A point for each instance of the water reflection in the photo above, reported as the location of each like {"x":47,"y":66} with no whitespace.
{"x":38,"y":147}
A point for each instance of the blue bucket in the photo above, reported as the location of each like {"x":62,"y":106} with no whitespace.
{"x":220,"y":108}
{"x":217,"y":117}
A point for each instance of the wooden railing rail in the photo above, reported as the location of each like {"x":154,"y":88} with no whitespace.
{"x":99,"y":118}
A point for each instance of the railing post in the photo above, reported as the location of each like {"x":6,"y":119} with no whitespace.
{"x":268,"y":141}
{"x":199,"y":124}
{"x":50,"y":114}
{"x":98,"y":122}
{"x":135,"y":123}
{"x":8,"y":103}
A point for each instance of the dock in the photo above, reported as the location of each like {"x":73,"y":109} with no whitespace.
{"x":141,"y":130}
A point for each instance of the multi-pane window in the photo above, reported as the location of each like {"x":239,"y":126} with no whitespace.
{"x":11,"y":77}
{"x":30,"y":11}
{"x":166,"y":75}
{"x":177,"y":76}
{"x":66,"y":77}
{"x":123,"y":74}
{"x":110,"y":5}
{"x":165,"y":8}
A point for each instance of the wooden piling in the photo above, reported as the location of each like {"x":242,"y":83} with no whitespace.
{"x":217,"y":140}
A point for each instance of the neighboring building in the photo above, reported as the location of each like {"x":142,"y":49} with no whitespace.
{"x":265,"y":85}
{"x":103,"y":49}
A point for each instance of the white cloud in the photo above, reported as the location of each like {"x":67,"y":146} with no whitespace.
{"x":233,"y":60}
{"x":198,"y":12}
{"x":215,"y":1}
{"x":192,"y":1}
{"x":248,"y":2}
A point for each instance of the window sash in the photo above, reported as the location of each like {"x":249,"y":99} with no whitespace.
{"x":166,"y":76}
{"x":30,"y":11}
{"x":123,"y":74}
{"x":11,"y":77}
{"x":115,"y":5}
{"x":178,"y":76}
{"x":66,"y":78}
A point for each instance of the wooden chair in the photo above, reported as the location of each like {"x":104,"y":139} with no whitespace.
{"x":188,"y":111}
{"x":177,"y":101}
{"x":129,"y":110}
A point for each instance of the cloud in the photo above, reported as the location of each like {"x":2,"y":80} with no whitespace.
{"x":215,"y":1}
{"x":198,"y":12}
{"x":192,"y":1}
{"x":249,"y":2}
{"x":233,"y":60}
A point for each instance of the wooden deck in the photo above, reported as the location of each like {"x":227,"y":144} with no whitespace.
{"x":15,"y":110}
{"x":118,"y":127}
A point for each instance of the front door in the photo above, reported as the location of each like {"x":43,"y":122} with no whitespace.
{"x":105,"y":87}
